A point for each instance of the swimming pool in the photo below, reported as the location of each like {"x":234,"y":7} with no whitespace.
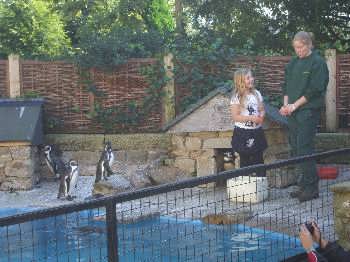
{"x":82,"y":237}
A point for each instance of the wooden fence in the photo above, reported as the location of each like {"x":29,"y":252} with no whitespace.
{"x":68,"y":102}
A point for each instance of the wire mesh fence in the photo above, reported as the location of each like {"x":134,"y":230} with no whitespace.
{"x":248,"y":218}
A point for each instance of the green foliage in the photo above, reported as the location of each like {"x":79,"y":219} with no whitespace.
{"x":106,"y":52}
{"x":146,"y":15}
{"x":267,"y":26}
{"x":31,"y":29}
{"x":127,"y":116}
{"x":329,"y":20}
{"x":30,"y":94}
{"x":201,"y":65}
{"x":274,"y":100}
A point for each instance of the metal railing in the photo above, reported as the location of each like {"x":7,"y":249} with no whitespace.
{"x":113,"y":229}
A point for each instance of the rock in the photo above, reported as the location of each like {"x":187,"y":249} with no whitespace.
{"x":116,"y":184}
{"x":87,"y":170}
{"x":227,"y":219}
{"x":138,"y":177}
{"x":166,"y":174}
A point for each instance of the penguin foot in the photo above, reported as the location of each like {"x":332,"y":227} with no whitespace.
{"x":70,"y":198}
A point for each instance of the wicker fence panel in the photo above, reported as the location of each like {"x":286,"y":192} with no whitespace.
{"x":269,"y":74}
{"x":4,"y":78}
{"x":343,"y":85}
{"x":68,"y":102}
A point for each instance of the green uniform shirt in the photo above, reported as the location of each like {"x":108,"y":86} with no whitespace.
{"x":306,"y":77}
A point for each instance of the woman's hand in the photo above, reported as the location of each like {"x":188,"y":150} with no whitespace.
{"x":257,"y":119}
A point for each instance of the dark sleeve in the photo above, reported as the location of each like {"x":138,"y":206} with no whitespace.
{"x":319,"y":78}
{"x":334,"y":252}
{"x":315,"y":256}
{"x":284,"y":85}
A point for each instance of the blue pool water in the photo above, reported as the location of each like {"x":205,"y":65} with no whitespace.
{"x":81,"y":237}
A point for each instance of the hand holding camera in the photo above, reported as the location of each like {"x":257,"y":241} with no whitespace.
{"x":310,"y":227}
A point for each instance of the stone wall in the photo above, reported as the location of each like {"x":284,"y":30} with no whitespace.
{"x":198,"y":152}
{"x":341,"y":204}
{"x":18,"y":167}
{"x":129,"y":149}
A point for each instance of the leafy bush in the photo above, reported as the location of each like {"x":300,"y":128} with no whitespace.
{"x":201,"y":65}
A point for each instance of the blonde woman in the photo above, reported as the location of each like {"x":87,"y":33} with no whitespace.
{"x":247,"y":110}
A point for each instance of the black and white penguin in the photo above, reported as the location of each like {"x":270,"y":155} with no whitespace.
{"x":101,"y":172}
{"x":55,"y":163}
{"x":110,"y":158}
{"x":69,"y":180}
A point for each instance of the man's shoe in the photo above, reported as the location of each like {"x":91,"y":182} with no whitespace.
{"x":306,"y":196}
{"x":295,"y":193}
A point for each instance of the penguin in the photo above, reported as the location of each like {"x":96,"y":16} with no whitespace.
{"x":110,"y":158}
{"x":101,"y":167}
{"x":55,"y":164}
{"x":69,"y":180}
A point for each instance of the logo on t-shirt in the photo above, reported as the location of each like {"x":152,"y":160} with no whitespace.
{"x":251,"y":110}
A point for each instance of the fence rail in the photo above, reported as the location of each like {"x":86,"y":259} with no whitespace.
{"x":172,"y":222}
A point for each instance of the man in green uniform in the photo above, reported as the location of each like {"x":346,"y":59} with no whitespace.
{"x":306,"y":80}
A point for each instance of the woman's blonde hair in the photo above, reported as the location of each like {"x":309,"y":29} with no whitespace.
{"x":240,"y":85}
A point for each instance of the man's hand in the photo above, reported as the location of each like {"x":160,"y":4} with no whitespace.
{"x":284,"y":110}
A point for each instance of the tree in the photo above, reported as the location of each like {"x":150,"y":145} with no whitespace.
{"x":329,"y":20}
{"x":265,"y":26}
{"x":31,"y":28}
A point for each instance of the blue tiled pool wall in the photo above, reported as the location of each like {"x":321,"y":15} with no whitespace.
{"x":82,"y":237}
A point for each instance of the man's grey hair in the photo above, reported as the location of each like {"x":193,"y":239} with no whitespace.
{"x":304,"y":37}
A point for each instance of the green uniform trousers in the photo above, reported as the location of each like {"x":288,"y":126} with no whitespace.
{"x":302,"y":130}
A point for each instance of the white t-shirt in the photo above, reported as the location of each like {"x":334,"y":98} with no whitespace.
{"x":251,"y":107}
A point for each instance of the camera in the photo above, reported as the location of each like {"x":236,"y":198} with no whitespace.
{"x":310,"y":227}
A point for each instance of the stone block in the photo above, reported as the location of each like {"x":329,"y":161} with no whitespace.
{"x":226,"y":134}
{"x":341,"y":206}
{"x":204,"y":135}
{"x":153,"y":155}
{"x":22,"y":152}
{"x":5,"y":155}
{"x":193,"y":143}
{"x":206,"y":166}
{"x":168,"y":162}
{"x":223,"y":142}
{"x":178,"y":142}
{"x":247,"y":189}
{"x":185,"y":164}
{"x":121,"y":155}
{"x":136,"y":156}
{"x":180,"y":153}
{"x":19,"y":169}
{"x":17,"y":184}
{"x":276,"y":136}
{"x":208,"y":153}
{"x":282,"y":177}
{"x":195,"y":154}
{"x":83,"y":157}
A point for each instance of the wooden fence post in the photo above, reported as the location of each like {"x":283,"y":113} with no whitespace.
{"x":331,"y":94}
{"x":169,"y":90}
{"x":14,"y":76}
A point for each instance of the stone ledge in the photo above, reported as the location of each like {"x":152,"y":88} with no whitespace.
{"x":78,"y":142}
